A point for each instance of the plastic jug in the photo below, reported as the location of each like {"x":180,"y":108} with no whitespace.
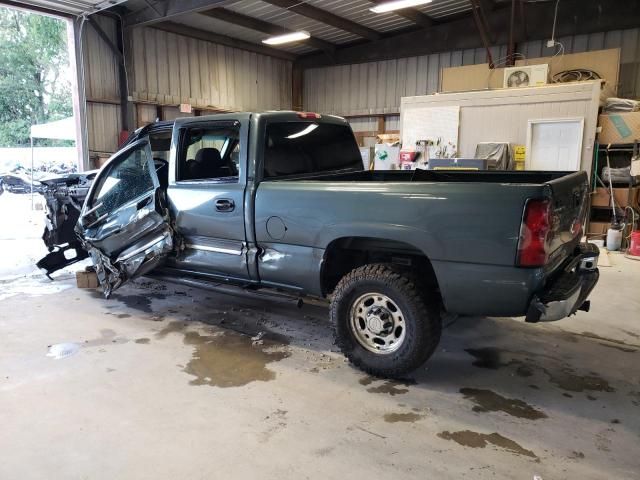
{"x":614,"y":239}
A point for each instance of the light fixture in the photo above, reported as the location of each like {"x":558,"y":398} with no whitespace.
{"x":287,"y":38}
{"x":304,"y":132}
{"x":397,"y":5}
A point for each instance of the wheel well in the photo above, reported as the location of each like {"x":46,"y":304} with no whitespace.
{"x":344,"y":254}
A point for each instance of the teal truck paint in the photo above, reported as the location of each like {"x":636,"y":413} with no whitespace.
{"x":280,"y":200}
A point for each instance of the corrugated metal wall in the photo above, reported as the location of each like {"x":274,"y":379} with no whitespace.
{"x":169,"y":69}
{"x":376,"y":87}
{"x":101,"y":88}
{"x":173,"y":69}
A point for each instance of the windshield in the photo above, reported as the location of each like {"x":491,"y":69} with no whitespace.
{"x":301,"y":148}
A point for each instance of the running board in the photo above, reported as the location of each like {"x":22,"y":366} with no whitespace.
{"x":242,"y":292}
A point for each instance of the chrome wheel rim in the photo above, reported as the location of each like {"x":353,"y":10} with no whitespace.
{"x":377,"y":323}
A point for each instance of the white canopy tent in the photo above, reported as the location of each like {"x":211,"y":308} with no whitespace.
{"x":64,"y":129}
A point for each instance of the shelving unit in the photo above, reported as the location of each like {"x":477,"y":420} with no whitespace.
{"x":601,"y":216}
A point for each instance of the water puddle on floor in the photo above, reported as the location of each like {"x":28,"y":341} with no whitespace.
{"x":226,"y":358}
{"x":32,"y":286}
{"x":558,"y":373}
{"x":390,"y":387}
{"x":402,"y":417}
{"x":467,"y":438}
{"x":488,"y":401}
{"x":141,"y":303}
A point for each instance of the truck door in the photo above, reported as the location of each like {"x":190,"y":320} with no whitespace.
{"x":207,"y":198}
{"x":124,"y":221}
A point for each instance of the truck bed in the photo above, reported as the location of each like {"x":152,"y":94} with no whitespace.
{"x":494,"y":176}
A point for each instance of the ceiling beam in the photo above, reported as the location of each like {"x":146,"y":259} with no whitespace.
{"x":167,"y":9}
{"x":328,"y":18}
{"x":412,"y":14}
{"x":575,"y":17}
{"x":207,"y":36}
{"x":258,"y":25}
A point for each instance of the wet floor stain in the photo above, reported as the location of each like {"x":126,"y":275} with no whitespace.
{"x":142,"y":341}
{"x":467,"y":438}
{"x":119,"y":315}
{"x":390,"y":387}
{"x":595,"y":336}
{"x":227,"y":359}
{"x":402,"y":417}
{"x":135,"y":302}
{"x":107,"y":337}
{"x":488,"y":401}
{"x":324,"y":452}
{"x":525,"y":364}
{"x":619,"y":347}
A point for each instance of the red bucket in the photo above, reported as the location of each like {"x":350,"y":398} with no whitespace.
{"x":634,"y":248}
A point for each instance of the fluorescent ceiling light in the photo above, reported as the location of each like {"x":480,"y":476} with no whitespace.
{"x":397,"y":5}
{"x":304,"y":132}
{"x":287,"y":37}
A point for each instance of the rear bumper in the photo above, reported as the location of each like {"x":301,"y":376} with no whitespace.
{"x":569,"y":290}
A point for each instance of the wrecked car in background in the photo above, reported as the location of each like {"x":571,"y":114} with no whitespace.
{"x":281,"y":200}
{"x":15,"y":183}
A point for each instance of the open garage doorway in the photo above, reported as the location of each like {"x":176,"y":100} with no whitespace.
{"x":39,"y":126}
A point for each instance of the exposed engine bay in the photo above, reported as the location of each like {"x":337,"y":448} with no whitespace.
{"x":64,"y":196}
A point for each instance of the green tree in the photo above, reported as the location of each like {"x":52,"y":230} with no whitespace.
{"x":34,"y":87}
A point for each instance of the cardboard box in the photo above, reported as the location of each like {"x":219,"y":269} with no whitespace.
{"x":87,"y":279}
{"x":598,"y":228}
{"x":619,"y":128}
{"x":601,"y":197}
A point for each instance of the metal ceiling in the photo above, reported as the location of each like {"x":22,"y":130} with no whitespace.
{"x":357,"y":11}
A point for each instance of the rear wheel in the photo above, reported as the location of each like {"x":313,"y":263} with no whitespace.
{"x":384,"y":324}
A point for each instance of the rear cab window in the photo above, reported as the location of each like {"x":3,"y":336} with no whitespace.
{"x":309,"y":148}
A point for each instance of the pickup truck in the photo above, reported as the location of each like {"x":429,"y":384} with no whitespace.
{"x":280,"y":201}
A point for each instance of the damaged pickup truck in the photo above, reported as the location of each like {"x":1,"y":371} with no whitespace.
{"x":280,"y":200}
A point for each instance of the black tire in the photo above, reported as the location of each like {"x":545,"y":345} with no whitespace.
{"x":421,"y":317}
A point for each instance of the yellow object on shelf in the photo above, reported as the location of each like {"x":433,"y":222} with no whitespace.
{"x":519,"y":154}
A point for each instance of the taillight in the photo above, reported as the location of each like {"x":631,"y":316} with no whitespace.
{"x":534,"y":234}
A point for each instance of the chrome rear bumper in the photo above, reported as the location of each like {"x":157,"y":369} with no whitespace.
{"x":568,"y":291}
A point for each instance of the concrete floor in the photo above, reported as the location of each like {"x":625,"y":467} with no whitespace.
{"x":167,"y":382}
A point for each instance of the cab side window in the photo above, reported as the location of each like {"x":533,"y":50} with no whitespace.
{"x":210,"y":153}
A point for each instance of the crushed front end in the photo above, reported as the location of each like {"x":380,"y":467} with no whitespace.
{"x":64,"y":196}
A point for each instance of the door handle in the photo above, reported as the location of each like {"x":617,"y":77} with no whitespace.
{"x":225,"y":205}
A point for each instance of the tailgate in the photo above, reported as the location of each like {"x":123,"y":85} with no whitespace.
{"x":568,"y":212}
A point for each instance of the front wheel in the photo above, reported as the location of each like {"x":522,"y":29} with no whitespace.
{"x":383,"y":323}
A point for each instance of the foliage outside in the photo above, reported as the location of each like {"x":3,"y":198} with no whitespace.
{"x":34,"y":83}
